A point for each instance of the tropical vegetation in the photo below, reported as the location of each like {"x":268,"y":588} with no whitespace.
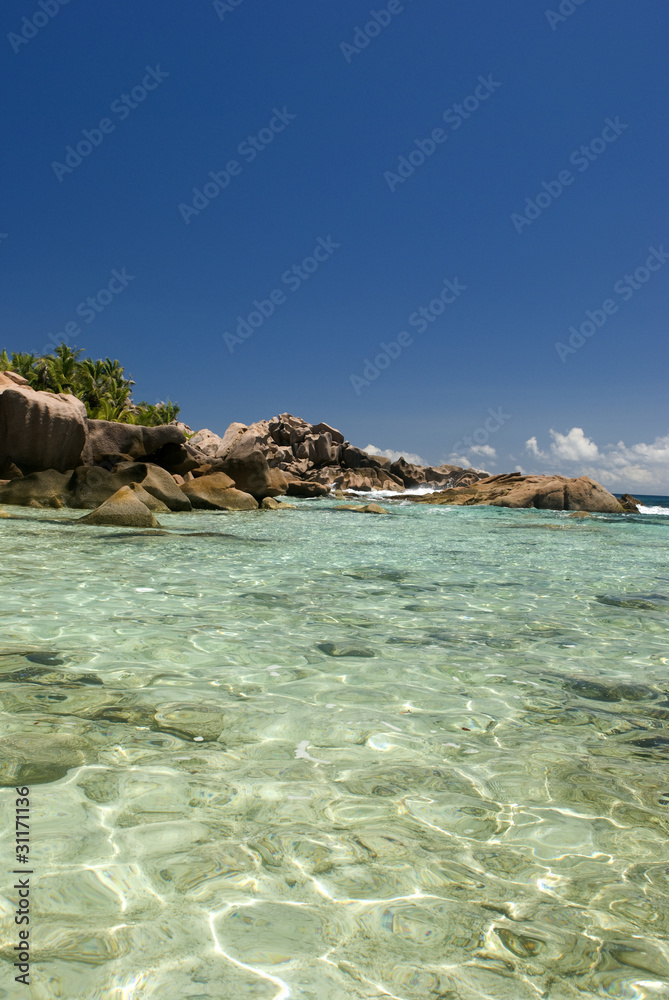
{"x":101,"y":385}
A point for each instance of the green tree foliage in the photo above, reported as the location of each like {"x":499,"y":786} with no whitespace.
{"x":101,"y":385}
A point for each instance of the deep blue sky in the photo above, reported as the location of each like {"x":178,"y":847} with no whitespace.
{"x":323,"y":176}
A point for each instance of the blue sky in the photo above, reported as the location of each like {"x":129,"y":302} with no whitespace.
{"x":406,"y":144}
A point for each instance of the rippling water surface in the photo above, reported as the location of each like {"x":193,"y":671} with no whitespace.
{"x":324,"y":756}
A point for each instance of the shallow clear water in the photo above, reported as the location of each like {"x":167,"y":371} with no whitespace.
{"x":323,"y":756}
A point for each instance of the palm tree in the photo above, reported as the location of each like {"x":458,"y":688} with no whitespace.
{"x":100,"y":384}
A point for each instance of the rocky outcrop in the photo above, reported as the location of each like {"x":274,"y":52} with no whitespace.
{"x":359,"y":508}
{"x":312,"y":453}
{"x":217,"y":492}
{"x":39,"y":430}
{"x":318,"y":449}
{"x":540,"y":492}
{"x":48,"y":489}
{"x":368,"y":479}
{"x":158,"y":482}
{"x":282,"y":456}
{"x":285,"y":454}
{"x":629,"y":503}
{"x":411,"y":475}
{"x":207,"y":442}
{"x":245,"y":460}
{"x":153,"y":503}
{"x":88,"y":486}
{"x":305,"y":489}
{"x":123,"y":509}
{"x":106,"y":437}
{"x":269,"y":503}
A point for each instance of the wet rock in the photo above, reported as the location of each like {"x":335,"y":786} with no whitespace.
{"x":149,"y":501}
{"x":156,"y":481}
{"x":657,"y":746}
{"x":406,"y":640}
{"x":50,"y":678}
{"x":123,"y":509}
{"x":599,"y":690}
{"x":540,"y":492}
{"x":42,"y":487}
{"x":128,"y":715}
{"x":50,"y":659}
{"x":637,"y":602}
{"x":269,"y":503}
{"x":629,"y":503}
{"x":374,"y":573}
{"x":365,"y":479}
{"x":38,"y":758}
{"x":306,"y":489}
{"x":130,"y":537}
{"x":579,"y":513}
{"x":271,"y":600}
{"x":190,"y":721}
{"x":411,"y":475}
{"x":331,"y":649}
{"x":369,"y":508}
{"x":90,"y":486}
{"x":214,"y":492}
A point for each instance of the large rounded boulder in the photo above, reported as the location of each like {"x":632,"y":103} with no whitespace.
{"x":40,"y":430}
{"x":123,"y":510}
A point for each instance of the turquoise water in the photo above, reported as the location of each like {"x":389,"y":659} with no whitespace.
{"x":321,"y":756}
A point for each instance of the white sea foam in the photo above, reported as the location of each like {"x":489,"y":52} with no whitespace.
{"x":417,"y":491}
{"x":653,"y":510}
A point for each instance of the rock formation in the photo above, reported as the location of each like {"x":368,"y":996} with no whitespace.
{"x":106,"y":437}
{"x":217,"y":492}
{"x":540,"y":492}
{"x":51,"y":455}
{"x":39,"y":430}
{"x":123,"y":509}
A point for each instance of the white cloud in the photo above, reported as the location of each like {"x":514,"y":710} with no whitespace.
{"x":574,"y":446}
{"x":483,"y":449}
{"x":618,"y":466}
{"x":466,"y":459}
{"x":394,"y":455}
{"x":532,"y":448}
